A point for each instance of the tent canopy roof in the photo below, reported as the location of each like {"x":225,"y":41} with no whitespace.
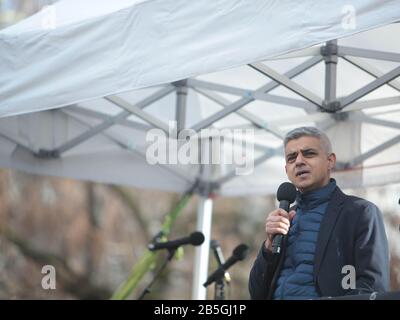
{"x":111,"y":73}
{"x":75,"y":51}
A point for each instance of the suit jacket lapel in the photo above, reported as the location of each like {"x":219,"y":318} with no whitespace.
{"x":328,"y":223}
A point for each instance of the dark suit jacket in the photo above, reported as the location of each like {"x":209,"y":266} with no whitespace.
{"x":351,"y":233}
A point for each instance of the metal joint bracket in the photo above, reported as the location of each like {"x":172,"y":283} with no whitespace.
{"x":205,"y":188}
{"x":181,"y":91}
{"x":340,"y":116}
{"x":180,"y":83}
{"x":47,"y":154}
{"x":331,"y":106}
{"x":329,"y":52}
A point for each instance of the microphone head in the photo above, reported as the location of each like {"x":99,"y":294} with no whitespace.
{"x":286,"y":191}
{"x":241,"y":251}
{"x":196,"y":238}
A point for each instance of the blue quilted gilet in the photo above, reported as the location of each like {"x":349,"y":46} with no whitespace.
{"x":296,"y":279}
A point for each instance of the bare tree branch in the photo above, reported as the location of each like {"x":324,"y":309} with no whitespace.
{"x":134,"y":208}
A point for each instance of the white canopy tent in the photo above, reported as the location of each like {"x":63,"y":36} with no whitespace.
{"x":81,"y":85}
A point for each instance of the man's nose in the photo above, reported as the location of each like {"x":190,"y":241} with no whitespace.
{"x":299,"y":159}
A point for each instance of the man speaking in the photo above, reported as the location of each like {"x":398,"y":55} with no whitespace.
{"x":327,"y":235}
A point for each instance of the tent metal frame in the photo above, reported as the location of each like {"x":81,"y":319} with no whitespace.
{"x":340,"y":108}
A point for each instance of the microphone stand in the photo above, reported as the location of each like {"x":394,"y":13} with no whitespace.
{"x":219,"y":290}
{"x":171,"y":253}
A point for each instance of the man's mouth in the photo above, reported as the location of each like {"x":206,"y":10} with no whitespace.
{"x":302,"y":173}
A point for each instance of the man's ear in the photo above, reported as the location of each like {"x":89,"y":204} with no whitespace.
{"x":286,"y":169}
{"x":332,"y":161}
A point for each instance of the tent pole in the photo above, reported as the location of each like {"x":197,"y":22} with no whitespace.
{"x":329,"y":51}
{"x":181,"y":100}
{"x":204,"y":215}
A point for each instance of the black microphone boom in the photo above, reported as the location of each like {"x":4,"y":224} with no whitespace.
{"x":286,"y":194}
{"x":239,"y":253}
{"x":216,"y":248}
{"x":195,"y":239}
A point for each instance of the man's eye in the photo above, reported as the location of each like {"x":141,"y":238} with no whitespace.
{"x":309,"y":154}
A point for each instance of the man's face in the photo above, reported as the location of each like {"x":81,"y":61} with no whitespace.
{"x":307,"y":164}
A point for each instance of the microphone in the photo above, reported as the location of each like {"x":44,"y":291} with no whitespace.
{"x":239,"y":253}
{"x":286,"y":194}
{"x":216,"y":248}
{"x":195,"y":239}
